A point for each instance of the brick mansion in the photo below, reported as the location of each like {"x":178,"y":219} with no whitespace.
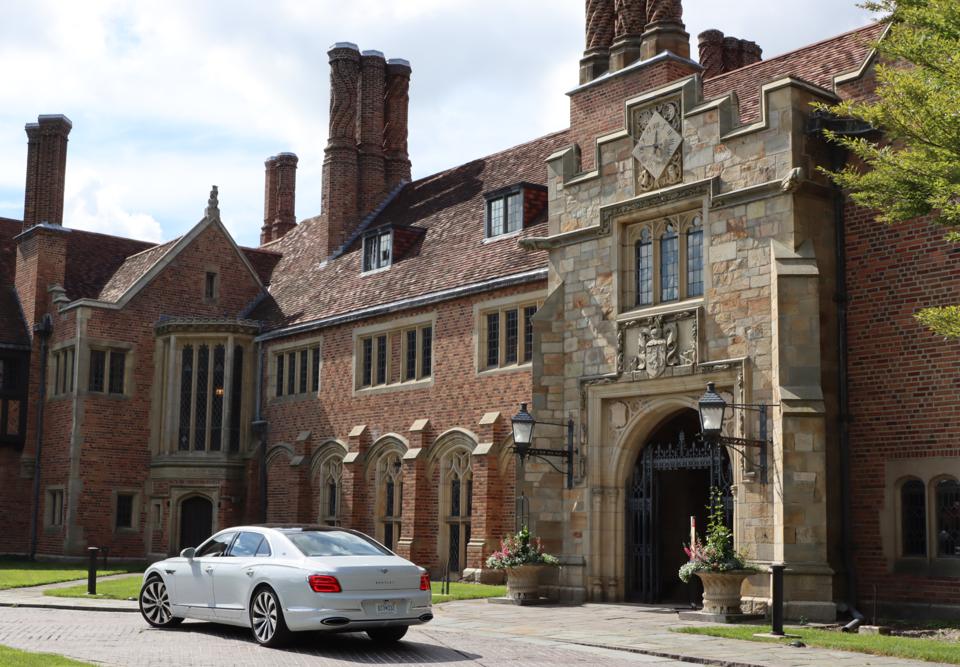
{"x":361,"y":367}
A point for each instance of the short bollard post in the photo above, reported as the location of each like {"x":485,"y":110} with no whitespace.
{"x":776,"y":583}
{"x":92,"y":570}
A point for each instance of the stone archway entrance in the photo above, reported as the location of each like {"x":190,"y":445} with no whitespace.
{"x":671,"y":482}
{"x":196,"y":521}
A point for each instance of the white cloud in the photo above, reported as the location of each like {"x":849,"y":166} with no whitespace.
{"x":99,"y":208}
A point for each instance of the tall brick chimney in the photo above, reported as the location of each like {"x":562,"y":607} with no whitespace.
{"x":630,"y":19}
{"x":665,"y":30}
{"x":372,"y":161}
{"x":396,"y":104}
{"x":711,"y":52}
{"x":720,"y":54}
{"x":601,"y":23}
{"x":46,"y":170}
{"x":340,"y":195}
{"x":279,"y":198}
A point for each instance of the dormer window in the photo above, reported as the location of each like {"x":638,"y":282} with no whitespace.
{"x":504,"y":213}
{"x":377,"y":250}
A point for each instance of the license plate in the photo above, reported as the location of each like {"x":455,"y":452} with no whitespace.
{"x":386,"y":607}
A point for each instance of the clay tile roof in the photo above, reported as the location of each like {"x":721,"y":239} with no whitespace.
{"x":132,"y":269}
{"x":263,"y":261}
{"x":817,"y":64}
{"x":446,"y":210}
{"x":93,"y":258}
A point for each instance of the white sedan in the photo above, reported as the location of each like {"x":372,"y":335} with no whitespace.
{"x":282,"y":579}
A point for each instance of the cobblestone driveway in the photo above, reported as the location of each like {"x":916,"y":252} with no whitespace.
{"x":125,"y":639}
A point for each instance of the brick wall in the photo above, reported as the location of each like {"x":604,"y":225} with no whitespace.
{"x":903,"y":390}
{"x":457,"y":399}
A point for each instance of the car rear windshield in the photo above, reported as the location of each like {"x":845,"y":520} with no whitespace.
{"x":334,"y":543}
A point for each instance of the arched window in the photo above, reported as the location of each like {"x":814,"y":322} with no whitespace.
{"x":695,"y":258}
{"x":644,"y":269}
{"x":390,"y":498}
{"x":457,"y":483}
{"x":331,"y":478}
{"x":670,"y":264}
{"x":948,"y":518}
{"x":913,"y":518}
{"x":663,"y":260}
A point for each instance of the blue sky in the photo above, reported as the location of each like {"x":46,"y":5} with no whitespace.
{"x":170,"y":96}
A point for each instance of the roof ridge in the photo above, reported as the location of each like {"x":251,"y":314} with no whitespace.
{"x":807,"y":47}
{"x":491,"y":155}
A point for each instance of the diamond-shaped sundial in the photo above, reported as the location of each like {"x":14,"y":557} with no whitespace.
{"x":657,"y":145}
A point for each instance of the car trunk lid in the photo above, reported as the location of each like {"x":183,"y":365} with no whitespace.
{"x":369,"y":573}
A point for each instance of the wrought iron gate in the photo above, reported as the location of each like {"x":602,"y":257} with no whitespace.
{"x":643,"y":500}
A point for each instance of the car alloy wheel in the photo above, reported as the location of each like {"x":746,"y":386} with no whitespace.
{"x":266,"y":618}
{"x":155,"y":604}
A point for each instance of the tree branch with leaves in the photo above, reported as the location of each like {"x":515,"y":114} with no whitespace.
{"x":914,"y":170}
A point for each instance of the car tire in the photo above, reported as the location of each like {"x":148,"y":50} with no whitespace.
{"x":155,"y":604}
{"x":388,"y":635}
{"x":266,"y":618}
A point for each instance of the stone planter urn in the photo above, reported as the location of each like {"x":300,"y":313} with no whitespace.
{"x":721,"y":591}
{"x":523,"y":583}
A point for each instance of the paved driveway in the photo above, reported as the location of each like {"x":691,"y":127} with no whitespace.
{"x":125,"y":639}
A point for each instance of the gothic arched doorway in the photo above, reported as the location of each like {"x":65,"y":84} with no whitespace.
{"x":196,"y":521}
{"x":671,"y":482}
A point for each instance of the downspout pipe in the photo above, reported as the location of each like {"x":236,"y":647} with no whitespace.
{"x":838,"y":158}
{"x":43,"y":329}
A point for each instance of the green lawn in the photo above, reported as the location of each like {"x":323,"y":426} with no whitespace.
{"x":11,"y":657}
{"x":899,"y":647}
{"x":18,"y":573}
{"x":466,"y":592}
{"x":122,"y":589}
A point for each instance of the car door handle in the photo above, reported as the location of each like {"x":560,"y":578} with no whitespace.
{"x":249,"y":573}
{"x":208,"y":569}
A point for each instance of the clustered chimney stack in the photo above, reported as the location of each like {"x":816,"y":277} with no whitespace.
{"x":366,"y":155}
{"x":720,"y":54}
{"x":372,"y":162}
{"x":621,"y":32}
{"x":396,"y":103}
{"x":46,"y":170}
{"x":601,"y":22}
{"x":279,"y":207}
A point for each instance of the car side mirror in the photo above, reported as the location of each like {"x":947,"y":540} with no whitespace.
{"x":188,"y":553}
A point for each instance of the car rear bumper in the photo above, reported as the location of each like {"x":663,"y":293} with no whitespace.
{"x":333,"y":620}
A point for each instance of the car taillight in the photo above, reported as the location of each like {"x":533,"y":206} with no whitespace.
{"x":324,"y":583}
{"x":424,"y":582}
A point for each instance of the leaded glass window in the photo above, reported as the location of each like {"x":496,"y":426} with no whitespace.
{"x":381,"y":359}
{"x":493,"y":340}
{"x":948,"y":518}
{"x":315,"y":370}
{"x":411,"y":369}
{"x":663,"y":261}
{"x":669,"y":265}
{"x":367,"y":375}
{"x":200,"y":418}
{"x":497,"y":215}
{"x":377,"y":250}
{"x":98,"y":362}
{"x":186,"y":396}
{"x":303,"y":372}
{"x":219,"y":392}
{"x":390,"y":501}
{"x":298,"y":370}
{"x":330,"y":480}
{"x":514,"y":212}
{"x":644,"y":269}
{"x":426,"y":351}
{"x":280,"y":369}
{"x":291,"y":372}
{"x":528,"y":313}
{"x":695,"y":259}
{"x":913,"y":514}
{"x":458,"y":500}
{"x":511,"y":318}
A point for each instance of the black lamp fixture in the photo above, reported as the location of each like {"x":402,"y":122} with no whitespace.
{"x":713,"y":412}
{"x":523,"y":423}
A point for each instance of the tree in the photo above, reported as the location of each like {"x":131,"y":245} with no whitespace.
{"x":915,"y":169}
